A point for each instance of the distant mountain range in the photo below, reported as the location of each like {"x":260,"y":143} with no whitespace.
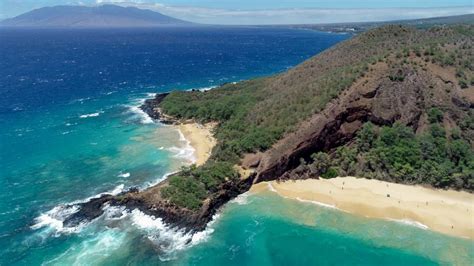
{"x":98,"y":16}
{"x":117,"y":16}
{"x":358,"y":27}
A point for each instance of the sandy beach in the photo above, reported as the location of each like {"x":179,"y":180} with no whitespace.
{"x":200,"y":138}
{"x":446,"y":211}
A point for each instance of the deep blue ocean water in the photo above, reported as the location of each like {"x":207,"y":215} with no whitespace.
{"x":70,"y":129}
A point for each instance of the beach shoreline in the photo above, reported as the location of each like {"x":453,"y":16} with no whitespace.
{"x":200,"y":138}
{"x":445,"y":211}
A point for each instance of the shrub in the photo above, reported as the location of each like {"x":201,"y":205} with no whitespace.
{"x":330,"y":173}
{"x":193,"y":184}
{"x":435,"y":115}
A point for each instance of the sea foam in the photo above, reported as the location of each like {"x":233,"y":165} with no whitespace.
{"x":317,"y":203}
{"x":54,"y":219}
{"x":186,"y":152}
{"x":410,"y":223}
{"x":241,"y":199}
{"x":142,"y":116}
{"x":169,"y":240}
{"x":135,"y":109}
{"x":124,"y":175}
{"x":93,"y":250}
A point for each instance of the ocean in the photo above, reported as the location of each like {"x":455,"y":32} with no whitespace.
{"x":70,"y":129}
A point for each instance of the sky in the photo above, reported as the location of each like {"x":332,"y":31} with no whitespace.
{"x":270,"y":11}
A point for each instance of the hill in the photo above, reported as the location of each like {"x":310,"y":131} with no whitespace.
{"x":397,"y":78}
{"x":99,"y":16}
{"x":394,"y":103}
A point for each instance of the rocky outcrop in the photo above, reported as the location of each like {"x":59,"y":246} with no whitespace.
{"x":151,"y":107}
{"x":374,"y":98}
{"x":150,"y":202}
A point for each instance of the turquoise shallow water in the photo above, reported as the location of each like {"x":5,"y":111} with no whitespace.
{"x":97,"y":146}
{"x":70,"y":129}
{"x":265,"y":229}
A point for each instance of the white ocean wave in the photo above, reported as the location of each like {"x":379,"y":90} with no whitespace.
{"x":54,"y":220}
{"x":157,"y":181}
{"x":169,"y":239}
{"x":203,"y":236}
{"x":91,"y":115}
{"x":114,"y":213}
{"x":134,"y":108}
{"x":80,"y":100}
{"x":109,"y":92}
{"x":91,"y":251}
{"x":241,"y":199}
{"x":124,"y":175}
{"x":317,"y":203}
{"x":142,"y":116}
{"x":67,"y":132}
{"x":186,"y":152}
{"x":410,"y":223}
{"x":203,"y":88}
{"x":117,"y":190}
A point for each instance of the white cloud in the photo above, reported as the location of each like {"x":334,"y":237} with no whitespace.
{"x":290,"y":16}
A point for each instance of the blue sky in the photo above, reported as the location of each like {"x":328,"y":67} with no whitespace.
{"x":269,"y":11}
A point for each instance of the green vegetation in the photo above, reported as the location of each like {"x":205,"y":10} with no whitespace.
{"x":230,"y":106}
{"x":435,"y":115}
{"x":252,"y":115}
{"x":396,"y":154}
{"x":192,"y":184}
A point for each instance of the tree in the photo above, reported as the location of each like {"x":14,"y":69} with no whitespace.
{"x":366,"y":137}
{"x":321,"y":163}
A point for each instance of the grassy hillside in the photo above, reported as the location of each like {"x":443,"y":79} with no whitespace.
{"x":255,"y":114}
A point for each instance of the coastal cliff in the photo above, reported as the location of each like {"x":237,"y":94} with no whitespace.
{"x":394,"y":104}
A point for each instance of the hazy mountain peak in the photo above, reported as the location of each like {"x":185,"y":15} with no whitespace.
{"x":97,"y":16}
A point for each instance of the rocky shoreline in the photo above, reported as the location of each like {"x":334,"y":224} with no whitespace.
{"x":149,"y":200}
{"x":189,"y":220}
{"x":150,"y":107}
{"x":378,"y":99}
